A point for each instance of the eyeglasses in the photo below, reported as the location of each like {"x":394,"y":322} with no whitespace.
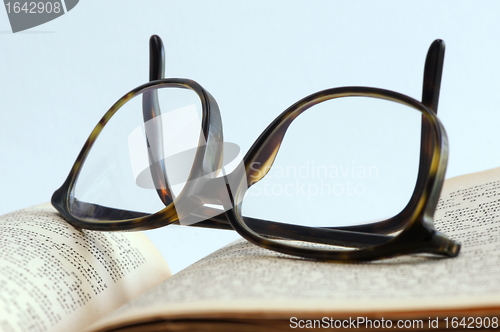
{"x":175,"y":168}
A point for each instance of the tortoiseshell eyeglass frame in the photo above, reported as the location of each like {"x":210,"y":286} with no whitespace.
{"x":413,"y":225}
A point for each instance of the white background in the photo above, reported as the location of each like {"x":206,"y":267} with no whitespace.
{"x":255,"y":57}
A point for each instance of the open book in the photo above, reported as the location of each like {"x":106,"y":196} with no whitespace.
{"x":56,"y":278}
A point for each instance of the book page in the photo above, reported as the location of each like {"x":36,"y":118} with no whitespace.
{"x":54,"y":277}
{"x":244,"y":280}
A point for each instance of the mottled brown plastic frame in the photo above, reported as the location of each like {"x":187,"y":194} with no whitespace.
{"x":414,"y":224}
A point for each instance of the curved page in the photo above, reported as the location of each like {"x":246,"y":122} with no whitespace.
{"x":54,"y":277}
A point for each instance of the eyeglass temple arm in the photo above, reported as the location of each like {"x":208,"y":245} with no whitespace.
{"x":153,"y":129}
{"x":430,"y":97}
{"x":433,"y":72}
{"x":432,"y":75}
{"x":156,"y":59}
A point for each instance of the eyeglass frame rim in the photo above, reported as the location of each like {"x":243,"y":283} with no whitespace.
{"x":421,"y":220}
{"x":166,"y":214}
{"x":436,"y":173}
